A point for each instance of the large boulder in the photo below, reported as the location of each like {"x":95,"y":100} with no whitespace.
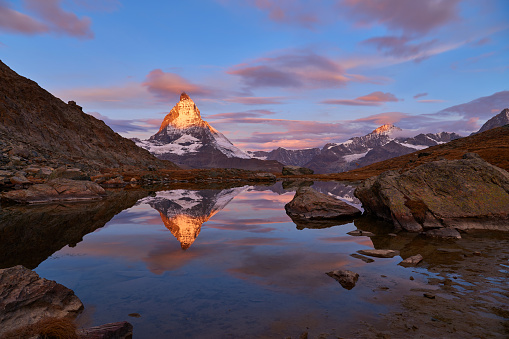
{"x":296,"y":170}
{"x":56,"y":190}
{"x":310,"y":204}
{"x":25,"y":298}
{"x":464,"y":194}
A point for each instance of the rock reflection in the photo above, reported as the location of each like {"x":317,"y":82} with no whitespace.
{"x":183,"y":212}
{"x":30,"y":234}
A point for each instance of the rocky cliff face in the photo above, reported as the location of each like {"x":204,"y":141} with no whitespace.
{"x":184,"y":211}
{"x":186,"y":139}
{"x":38,"y":126}
{"x":498,"y":120}
{"x":288,"y":157}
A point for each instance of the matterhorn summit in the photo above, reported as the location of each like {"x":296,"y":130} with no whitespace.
{"x":186,"y":139}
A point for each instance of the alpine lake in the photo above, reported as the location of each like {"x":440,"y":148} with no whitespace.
{"x":229,"y":263}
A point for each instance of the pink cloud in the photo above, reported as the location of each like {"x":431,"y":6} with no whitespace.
{"x":401,"y":47}
{"x":15,"y":22}
{"x":256,"y":100}
{"x":384,"y":118}
{"x":411,"y":17}
{"x":372,"y":99}
{"x":168,"y":86}
{"x":296,"y":69}
{"x":236,"y":115}
{"x":125,"y":126}
{"x":59,"y":20}
{"x":420,"y":95}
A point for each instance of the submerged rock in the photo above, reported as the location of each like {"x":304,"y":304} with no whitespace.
{"x":411,"y":261}
{"x":444,"y":233}
{"x":464,"y":194}
{"x":379,"y":253}
{"x":119,"y":330}
{"x":56,"y":190}
{"x":346,"y":278}
{"x":296,"y":170}
{"x":310,"y":204}
{"x":25,"y":298}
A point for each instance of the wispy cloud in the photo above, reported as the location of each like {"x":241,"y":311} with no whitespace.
{"x":296,"y":69}
{"x":429,"y":101}
{"x":402,"y":47}
{"x":256,"y":100}
{"x":48,"y":17}
{"x":168,"y":86}
{"x":125,"y":126}
{"x":372,"y":99}
{"x":410,"y":17}
{"x":420,"y":95}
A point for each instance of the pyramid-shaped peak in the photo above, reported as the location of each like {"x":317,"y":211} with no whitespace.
{"x":184,"y":96}
{"x":386,"y":129}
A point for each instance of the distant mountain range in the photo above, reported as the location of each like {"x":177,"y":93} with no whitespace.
{"x":187,"y":140}
{"x":380,"y":144}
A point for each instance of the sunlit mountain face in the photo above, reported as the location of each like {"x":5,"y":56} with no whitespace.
{"x":183,"y":212}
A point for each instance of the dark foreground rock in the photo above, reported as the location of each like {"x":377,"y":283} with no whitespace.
{"x":25,"y":298}
{"x":411,"y":261}
{"x":119,"y":330}
{"x":444,"y":233}
{"x":464,"y":194}
{"x":346,"y":278}
{"x":310,"y":204}
{"x":56,"y":190}
{"x":296,"y":170}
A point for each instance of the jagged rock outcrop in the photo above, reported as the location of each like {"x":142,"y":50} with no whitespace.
{"x":56,"y":190}
{"x":498,"y":120}
{"x":36,"y":126}
{"x":310,"y":204}
{"x":464,"y":194}
{"x":186,"y":139}
{"x":25,"y":298}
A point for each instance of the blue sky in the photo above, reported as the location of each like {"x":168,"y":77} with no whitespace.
{"x":289,"y":73}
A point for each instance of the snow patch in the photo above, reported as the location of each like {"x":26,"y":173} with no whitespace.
{"x":417,"y":147}
{"x":353,"y":157}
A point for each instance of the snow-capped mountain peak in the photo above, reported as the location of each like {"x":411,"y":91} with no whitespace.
{"x":183,"y":132}
{"x":386,"y":129}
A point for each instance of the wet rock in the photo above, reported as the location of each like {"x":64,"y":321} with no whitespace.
{"x":119,"y":330}
{"x":411,"y":261}
{"x":444,"y":233}
{"x":363,"y":258}
{"x":429,"y":295}
{"x":310,"y":204}
{"x":296,"y":170}
{"x":346,"y":278}
{"x":56,"y":190}
{"x":379,"y":253}
{"x":463,"y":194}
{"x":357,"y":233}
{"x":25,"y":298}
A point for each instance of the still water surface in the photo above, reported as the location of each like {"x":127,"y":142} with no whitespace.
{"x":225,"y":263}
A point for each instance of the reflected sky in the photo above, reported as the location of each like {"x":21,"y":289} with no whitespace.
{"x":248,"y":272}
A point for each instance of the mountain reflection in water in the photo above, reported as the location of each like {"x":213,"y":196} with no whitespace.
{"x":184,"y":211}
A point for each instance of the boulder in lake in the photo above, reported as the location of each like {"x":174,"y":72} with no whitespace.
{"x":25,"y":298}
{"x":310,"y":204}
{"x":56,"y":190}
{"x":346,"y":278}
{"x":379,"y":253}
{"x":118,"y":330}
{"x":411,"y":261}
{"x":464,"y":194}
{"x":296,"y":170}
{"x":444,"y":233}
